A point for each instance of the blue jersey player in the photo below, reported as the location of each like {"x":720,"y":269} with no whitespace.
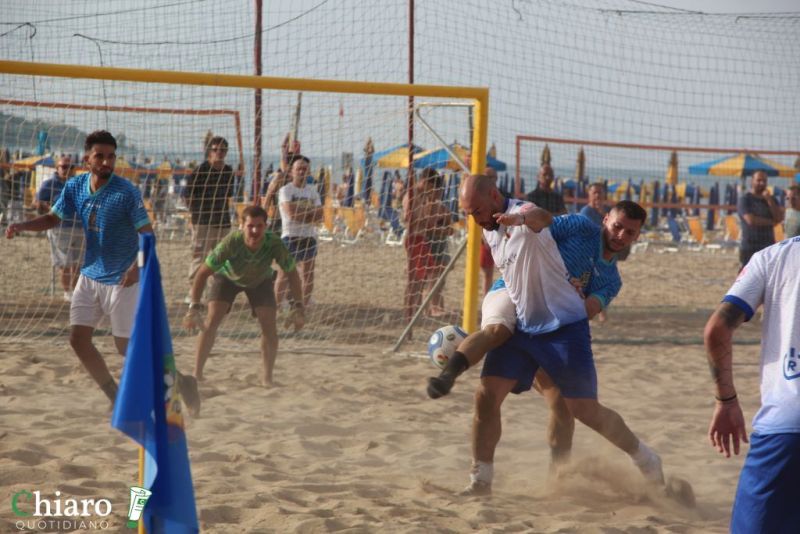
{"x":112,"y":214}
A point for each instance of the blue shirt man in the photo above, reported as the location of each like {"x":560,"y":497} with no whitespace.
{"x":111,"y":218}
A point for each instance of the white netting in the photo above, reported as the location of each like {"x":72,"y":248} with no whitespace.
{"x":612,"y":71}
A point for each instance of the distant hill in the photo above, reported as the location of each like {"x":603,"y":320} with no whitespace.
{"x":19,"y":132}
{"x":22,"y":133}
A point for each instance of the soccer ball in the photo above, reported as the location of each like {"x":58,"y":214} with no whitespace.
{"x":443,"y":343}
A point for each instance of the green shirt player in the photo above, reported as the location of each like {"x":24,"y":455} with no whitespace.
{"x":241,"y":262}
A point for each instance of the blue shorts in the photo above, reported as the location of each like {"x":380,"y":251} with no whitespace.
{"x":766,"y":499}
{"x":301,"y":248}
{"x":565,"y":354}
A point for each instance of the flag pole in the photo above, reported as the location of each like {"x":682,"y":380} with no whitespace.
{"x":140,"y":529}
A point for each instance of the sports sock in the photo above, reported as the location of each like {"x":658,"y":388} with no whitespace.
{"x":456,"y":365}
{"x":481,"y":471}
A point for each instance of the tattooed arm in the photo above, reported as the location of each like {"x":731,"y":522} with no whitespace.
{"x":727,"y":423}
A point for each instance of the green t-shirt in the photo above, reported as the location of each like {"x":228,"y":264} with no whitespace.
{"x":245,"y":268}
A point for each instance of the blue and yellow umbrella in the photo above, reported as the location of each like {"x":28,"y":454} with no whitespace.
{"x":741,"y":165}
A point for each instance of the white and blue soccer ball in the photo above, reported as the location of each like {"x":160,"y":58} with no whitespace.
{"x":443,"y":343}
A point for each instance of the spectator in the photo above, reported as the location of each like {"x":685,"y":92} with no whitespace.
{"x":544,"y":196}
{"x":791,"y":222}
{"x":595,"y":209}
{"x":437,"y":233}
{"x":66,"y":238}
{"x":301,"y":212}
{"x":207,"y":191}
{"x":759,"y":213}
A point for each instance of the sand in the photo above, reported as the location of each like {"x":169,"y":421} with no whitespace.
{"x":349,"y":441}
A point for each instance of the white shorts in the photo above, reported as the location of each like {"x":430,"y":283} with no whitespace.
{"x":66,"y":245}
{"x":497,"y":308}
{"x":92,"y":300}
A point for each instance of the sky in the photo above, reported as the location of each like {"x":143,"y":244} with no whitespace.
{"x":597,"y":70}
{"x":735,"y":6}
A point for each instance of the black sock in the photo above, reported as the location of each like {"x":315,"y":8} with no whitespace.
{"x":456,"y":365}
{"x":110,"y":389}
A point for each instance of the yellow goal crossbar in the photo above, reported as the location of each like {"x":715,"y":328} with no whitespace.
{"x":479,"y":95}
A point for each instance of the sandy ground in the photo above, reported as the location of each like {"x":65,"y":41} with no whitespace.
{"x":349,"y":441}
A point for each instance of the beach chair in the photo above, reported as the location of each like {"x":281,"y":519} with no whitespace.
{"x":732,"y":227}
{"x":779,"y":234}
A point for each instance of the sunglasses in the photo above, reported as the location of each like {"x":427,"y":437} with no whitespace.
{"x":65,"y":166}
{"x":217,"y":149}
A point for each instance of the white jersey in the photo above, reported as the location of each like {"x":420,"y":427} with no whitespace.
{"x":535,"y":275}
{"x":772,"y":278}
{"x":291,"y":193}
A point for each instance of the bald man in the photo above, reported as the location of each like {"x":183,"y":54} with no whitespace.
{"x":544,"y":260}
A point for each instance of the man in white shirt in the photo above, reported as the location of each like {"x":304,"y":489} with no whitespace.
{"x":765,"y":499}
{"x":301,"y":213}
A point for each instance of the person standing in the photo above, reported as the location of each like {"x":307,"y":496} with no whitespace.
{"x":791,"y":220}
{"x":301,"y":212}
{"x":112,"y":213}
{"x":595,"y":209}
{"x":66,"y":238}
{"x":206,"y":193}
{"x":759,"y":213}
{"x":766,"y":495}
{"x":544,"y":196}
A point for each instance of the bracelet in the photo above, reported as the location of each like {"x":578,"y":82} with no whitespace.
{"x":196,"y":306}
{"x":296,"y":304}
{"x":726,"y":399}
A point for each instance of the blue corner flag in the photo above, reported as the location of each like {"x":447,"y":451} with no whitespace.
{"x":148,"y":406}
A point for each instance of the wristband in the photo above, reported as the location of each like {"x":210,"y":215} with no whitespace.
{"x":726,"y":399}
{"x":196,"y":306}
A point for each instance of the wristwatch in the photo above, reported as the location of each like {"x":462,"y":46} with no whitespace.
{"x":196,"y":306}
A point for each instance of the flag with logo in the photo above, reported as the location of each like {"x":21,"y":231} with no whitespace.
{"x":148,"y":406}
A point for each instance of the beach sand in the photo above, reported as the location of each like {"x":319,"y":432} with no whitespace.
{"x":349,"y":441}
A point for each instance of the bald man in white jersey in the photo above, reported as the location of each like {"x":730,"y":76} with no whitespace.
{"x":543,"y":260}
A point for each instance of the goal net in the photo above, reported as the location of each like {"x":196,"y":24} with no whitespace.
{"x":601,"y":72}
{"x":367,"y":284}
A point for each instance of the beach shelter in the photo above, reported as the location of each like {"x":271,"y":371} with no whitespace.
{"x":672,"y":169}
{"x":31,"y":162}
{"x":393,"y":158}
{"x":741,"y":165}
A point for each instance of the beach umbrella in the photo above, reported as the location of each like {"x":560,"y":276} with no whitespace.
{"x":495,"y":163}
{"x":656,"y":199}
{"x":713,"y":200}
{"x":32,"y":161}
{"x":440,"y":158}
{"x":545,"y":157}
{"x":395,"y":157}
{"x":580,"y":166}
{"x":695,"y":197}
{"x":126,"y":169}
{"x":741,"y":165}
{"x":672,"y":169}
